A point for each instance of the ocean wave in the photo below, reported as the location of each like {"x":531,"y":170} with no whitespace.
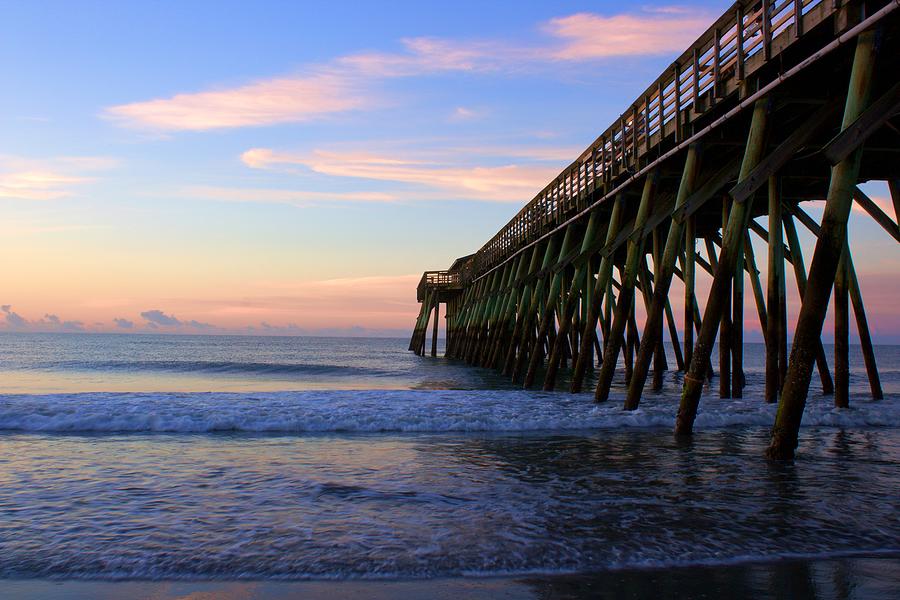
{"x":397,"y":411}
{"x":270,"y":568}
{"x":224,"y":367}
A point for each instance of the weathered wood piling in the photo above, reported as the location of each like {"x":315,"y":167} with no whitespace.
{"x":727,"y":144}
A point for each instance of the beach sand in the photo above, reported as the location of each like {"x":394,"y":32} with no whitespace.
{"x":859,"y":578}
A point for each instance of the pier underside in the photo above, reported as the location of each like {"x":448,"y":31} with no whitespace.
{"x":778,"y":105}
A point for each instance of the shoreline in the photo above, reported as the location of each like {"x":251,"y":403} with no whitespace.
{"x":858,"y":577}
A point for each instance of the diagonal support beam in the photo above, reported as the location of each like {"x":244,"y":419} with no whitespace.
{"x":894,"y":187}
{"x":852,"y":137}
{"x":876,"y":213}
{"x":707,"y":190}
{"x":785,"y":151}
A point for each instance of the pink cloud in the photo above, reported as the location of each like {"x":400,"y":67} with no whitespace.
{"x":589,"y":36}
{"x":505,"y":183}
{"x":267,"y":102}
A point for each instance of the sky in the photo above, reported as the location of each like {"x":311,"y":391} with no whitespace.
{"x":288,"y":167}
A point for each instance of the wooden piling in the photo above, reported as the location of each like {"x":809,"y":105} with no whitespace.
{"x":758,"y":296}
{"x":800,"y":277}
{"x":862,"y":327}
{"x":549,"y":310}
{"x":689,"y":269}
{"x":737,"y":325}
{"x":663,"y":279}
{"x":434,"y":331}
{"x":841,"y":334}
{"x":774,"y":290}
{"x":602,"y":288}
{"x":526,"y":343}
{"x":829,"y":246}
{"x":569,"y":303}
{"x":624,"y":304}
{"x":734,"y":237}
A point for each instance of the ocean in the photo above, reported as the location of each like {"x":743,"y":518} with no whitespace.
{"x":279,"y":459}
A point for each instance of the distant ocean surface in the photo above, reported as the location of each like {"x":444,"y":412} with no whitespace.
{"x":209,"y":457}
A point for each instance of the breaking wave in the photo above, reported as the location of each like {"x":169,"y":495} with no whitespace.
{"x":397,"y":411}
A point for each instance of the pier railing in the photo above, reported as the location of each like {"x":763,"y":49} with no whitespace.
{"x":437,"y":280}
{"x":742,"y":41}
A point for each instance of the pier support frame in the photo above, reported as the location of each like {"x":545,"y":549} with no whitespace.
{"x":734,"y":237}
{"x":664,"y":272}
{"x":829,"y":247}
{"x":625,"y":303}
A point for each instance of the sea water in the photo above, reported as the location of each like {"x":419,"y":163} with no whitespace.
{"x":210,"y":457}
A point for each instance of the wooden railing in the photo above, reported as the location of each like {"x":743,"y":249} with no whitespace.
{"x":437,"y":279}
{"x":738,"y":44}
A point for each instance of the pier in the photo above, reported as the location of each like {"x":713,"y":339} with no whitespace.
{"x":777,"y":104}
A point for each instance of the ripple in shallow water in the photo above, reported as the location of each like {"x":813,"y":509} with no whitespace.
{"x":426,"y":505}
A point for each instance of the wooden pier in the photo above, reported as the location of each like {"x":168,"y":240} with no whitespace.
{"x":777,"y":104}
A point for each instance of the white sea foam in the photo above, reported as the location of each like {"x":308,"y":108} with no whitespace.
{"x":398,"y":411}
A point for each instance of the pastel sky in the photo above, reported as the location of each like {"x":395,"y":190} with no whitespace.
{"x":288,"y":167}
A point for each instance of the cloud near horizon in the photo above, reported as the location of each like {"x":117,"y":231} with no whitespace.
{"x":49,"y":322}
{"x":47,"y":179}
{"x":346,"y":83}
{"x":157,"y":318}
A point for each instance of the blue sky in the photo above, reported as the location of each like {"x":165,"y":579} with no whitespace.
{"x":293,"y":164}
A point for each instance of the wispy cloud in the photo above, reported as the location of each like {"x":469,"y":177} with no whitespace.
{"x":587,"y":36}
{"x":504,"y":183}
{"x":47,"y":179}
{"x":267,"y":102}
{"x":461,"y":113}
{"x":298,"y":198}
{"x":346,"y":82}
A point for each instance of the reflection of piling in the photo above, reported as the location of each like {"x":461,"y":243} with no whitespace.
{"x":558,"y":284}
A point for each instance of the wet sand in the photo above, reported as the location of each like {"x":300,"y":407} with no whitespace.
{"x":859,"y":578}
